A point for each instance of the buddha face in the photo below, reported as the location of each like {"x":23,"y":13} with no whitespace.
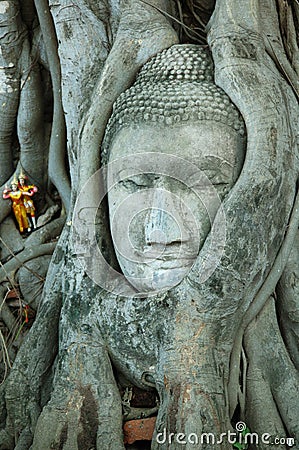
{"x":14,"y":187}
{"x":161,"y":214}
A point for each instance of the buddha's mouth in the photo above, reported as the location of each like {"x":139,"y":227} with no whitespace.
{"x":174,"y":252}
{"x":168,"y":261}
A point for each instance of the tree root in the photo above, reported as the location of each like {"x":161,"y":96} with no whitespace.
{"x":57,"y":170}
{"x":49,"y":231}
{"x":85,"y":404}
{"x":5,"y":207}
{"x":261,"y":411}
{"x":134,"y":45}
{"x":30,"y":125}
{"x":259,"y":301}
{"x":269,"y":360}
{"x":7,"y":270}
{"x":5,"y":313}
{"x":12,"y":31}
{"x":288,"y":304}
{"x":22,"y":392}
{"x":288,"y":31}
{"x":274,"y":44}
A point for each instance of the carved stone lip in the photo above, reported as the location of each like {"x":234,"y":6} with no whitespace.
{"x":166,"y":255}
{"x":172,"y":252}
{"x":171,"y":257}
{"x":178,"y":263}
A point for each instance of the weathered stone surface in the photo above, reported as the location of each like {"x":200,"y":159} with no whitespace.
{"x":181,"y":343}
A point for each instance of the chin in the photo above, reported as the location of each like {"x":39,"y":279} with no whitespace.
{"x":156,"y":281}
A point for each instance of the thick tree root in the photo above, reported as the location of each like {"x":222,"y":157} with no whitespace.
{"x":273,"y":378}
{"x":57,"y":170}
{"x":192,"y":413}
{"x":28,"y":384}
{"x":280,"y":263}
{"x":49,"y":231}
{"x":288,"y":304}
{"x":7,"y":270}
{"x":85,"y":405}
{"x":137,"y":40}
{"x":81,"y":417}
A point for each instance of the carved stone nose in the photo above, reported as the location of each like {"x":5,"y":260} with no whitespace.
{"x":161,"y":223}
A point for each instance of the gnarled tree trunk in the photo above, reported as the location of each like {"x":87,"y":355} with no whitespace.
{"x":216,"y":351}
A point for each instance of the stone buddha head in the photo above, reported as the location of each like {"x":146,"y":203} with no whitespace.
{"x":178,"y":142}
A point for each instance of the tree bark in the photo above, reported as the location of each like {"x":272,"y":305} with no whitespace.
{"x":63,"y":390}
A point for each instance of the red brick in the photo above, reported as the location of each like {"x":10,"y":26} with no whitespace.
{"x":139,"y":430}
{"x":13,"y":294}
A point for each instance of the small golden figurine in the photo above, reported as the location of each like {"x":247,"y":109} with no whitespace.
{"x":18,"y":207}
{"x":29,"y":191}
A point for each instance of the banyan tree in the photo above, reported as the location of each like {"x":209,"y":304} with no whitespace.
{"x":163,"y":136}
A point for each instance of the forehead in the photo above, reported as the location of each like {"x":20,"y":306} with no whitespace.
{"x":199,"y":143}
